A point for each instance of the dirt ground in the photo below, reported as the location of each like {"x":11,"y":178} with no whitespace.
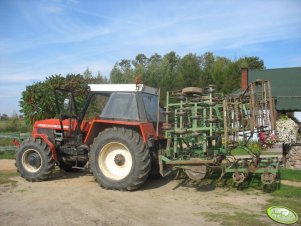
{"x":76,"y":199}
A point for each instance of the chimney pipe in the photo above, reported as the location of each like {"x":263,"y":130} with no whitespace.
{"x":244,"y":79}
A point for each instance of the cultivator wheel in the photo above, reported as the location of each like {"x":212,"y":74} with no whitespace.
{"x":196,"y":172}
{"x":196,"y":91}
{"x":268,"y":178}
{"x":239,"y":178}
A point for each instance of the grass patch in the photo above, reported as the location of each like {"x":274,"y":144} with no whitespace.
{"x":6,"y":142}
{"x":287,"y":191}
{"x":253,"y":146}
{"x":238,"y":218}
{"x":14,"y":125}
{"x":239,"y":151}
{"x":5,"y":178}
{"x":288,"y":197}
{"x":7,"y":155}
{"x":289,"y":174}
{"x":291,"y":203}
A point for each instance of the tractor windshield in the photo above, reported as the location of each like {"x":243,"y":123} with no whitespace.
{"x":65,"y":103}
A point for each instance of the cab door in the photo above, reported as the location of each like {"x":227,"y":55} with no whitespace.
{"x":67,"y":114}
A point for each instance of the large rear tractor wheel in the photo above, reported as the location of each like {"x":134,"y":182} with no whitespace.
{"x":119,"y":159}
{"x":34,"y":160}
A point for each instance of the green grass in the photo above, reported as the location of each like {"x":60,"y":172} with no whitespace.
{"x":6,"y":141}
{"x":7,"y":154}
{"x":5,"y":178}
{"x":253,"y":146}
{"x":287,"y":196}
{"x":239,"y":151}
{"x":286,"y":191}
{"x":289,"y":174}
{"x":238,"y":218}
{"x":14,"y":125}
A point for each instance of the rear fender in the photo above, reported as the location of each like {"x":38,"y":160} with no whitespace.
{"x":146,"y":130}
{"x":48,"y":142}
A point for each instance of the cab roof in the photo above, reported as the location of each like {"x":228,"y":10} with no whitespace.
{"x":110,"y":88}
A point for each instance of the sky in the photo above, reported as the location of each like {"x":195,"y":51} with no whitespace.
{"x":39,"y":38}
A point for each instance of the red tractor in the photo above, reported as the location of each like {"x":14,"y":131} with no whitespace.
{"x":120,"y":144}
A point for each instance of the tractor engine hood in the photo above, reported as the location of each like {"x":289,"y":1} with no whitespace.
{"x":54,"y":124}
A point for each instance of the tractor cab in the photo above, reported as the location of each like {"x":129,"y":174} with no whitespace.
{"x":129,"y":102}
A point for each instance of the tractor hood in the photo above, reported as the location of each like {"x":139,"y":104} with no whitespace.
{"x":54,"y":124}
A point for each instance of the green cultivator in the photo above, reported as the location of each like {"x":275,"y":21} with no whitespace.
{"x":203,"y":127}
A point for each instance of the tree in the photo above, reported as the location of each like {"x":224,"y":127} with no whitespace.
{"x":116,"y":75}
{"x":190,"y":70}
{"x":122,"y":72}
{"x":38,"y":102}
{"x":87,"y":74}
{"x":153,"y":73}
{"x":251,"y":63}
{"x":207,"y":62}
{"x":220,"y":73}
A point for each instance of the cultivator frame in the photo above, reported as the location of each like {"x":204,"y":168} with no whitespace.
{"x":202,"y":128}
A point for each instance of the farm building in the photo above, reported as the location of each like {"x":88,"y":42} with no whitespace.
{"x":286,"y":86}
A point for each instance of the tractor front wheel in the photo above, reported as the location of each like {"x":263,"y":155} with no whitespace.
{"x":119,"y":159}
{"x":34,"y":160}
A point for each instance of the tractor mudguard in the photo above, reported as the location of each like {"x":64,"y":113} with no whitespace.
{"x":146,"y":130}
{"x":48,"y":142}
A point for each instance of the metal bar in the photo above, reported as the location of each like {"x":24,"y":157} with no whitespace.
{"x":225,"y":111}
{"x":158,"y":113}
{"x":193,"y":161}
{"x":8,"y":148}
{"x":245,"y":170}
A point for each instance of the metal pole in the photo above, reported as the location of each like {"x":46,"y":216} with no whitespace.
{"x":158,"y":113}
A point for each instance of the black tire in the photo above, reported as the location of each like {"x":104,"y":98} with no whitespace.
{"x":119,"y":159}
{"x":34,"y":160}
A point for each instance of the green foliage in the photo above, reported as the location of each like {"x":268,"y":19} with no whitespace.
{"x":38,"y":101}
{"x":253,"y":145}
{"x":172,"y":72}
{"x":14,"y":124}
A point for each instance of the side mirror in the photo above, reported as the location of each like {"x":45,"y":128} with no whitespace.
{"x":66,"y":104}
